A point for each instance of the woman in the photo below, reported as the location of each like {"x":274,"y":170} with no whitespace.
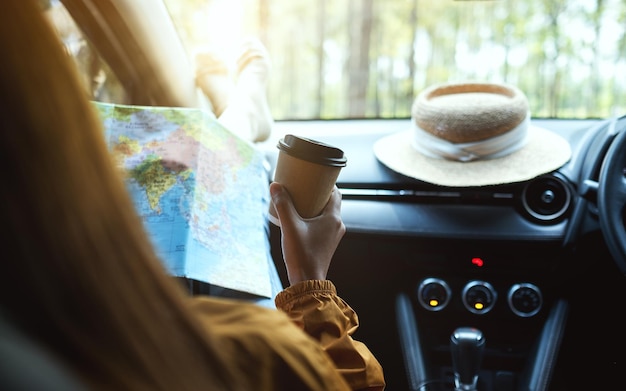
{"x":81,"y":279}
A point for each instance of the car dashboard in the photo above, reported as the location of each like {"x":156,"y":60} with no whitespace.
{"x":524,"y":263}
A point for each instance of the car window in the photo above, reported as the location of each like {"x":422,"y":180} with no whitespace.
{"x":99,"y":80}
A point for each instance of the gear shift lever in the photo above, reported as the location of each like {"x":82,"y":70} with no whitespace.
{"x":467,"y":345}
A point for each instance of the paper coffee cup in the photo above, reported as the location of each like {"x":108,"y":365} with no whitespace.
{"x":308,"y":169}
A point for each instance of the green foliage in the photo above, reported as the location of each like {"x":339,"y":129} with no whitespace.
{"x":568,"y":56}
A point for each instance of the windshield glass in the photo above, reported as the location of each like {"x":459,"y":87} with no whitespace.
{"x":369,"y":59}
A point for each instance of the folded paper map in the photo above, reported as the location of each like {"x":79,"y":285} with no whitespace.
{"x":201,"y":191}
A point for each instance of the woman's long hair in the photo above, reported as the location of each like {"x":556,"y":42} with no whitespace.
{"x":79,"y":274}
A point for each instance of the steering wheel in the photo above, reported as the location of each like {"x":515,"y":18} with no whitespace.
{"x":612,"y":199}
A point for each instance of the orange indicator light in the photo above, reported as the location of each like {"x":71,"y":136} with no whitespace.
{"x":433,"y":302}
{"x":478,"y":261}
{"x":479,"y":306}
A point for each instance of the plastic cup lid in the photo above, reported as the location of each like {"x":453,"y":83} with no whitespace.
{"x":312,"y":151}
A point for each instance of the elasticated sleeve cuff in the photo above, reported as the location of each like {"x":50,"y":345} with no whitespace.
{"x":286,"y":297}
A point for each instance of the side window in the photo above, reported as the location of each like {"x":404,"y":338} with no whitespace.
{"x":98,"y":79}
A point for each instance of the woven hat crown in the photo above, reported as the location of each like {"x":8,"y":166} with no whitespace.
{"x":462,"y":113}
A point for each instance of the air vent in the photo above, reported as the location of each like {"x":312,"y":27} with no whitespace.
{"x":546,"y":198}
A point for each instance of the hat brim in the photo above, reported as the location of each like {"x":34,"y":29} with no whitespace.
{"x":544,"y":152}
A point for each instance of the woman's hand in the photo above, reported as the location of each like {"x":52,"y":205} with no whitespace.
{"x":308,"y":244}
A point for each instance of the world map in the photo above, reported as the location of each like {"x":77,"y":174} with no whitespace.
{"x":201,"y":191}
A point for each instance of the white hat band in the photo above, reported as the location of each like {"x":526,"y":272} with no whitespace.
{"x":490,"y":148}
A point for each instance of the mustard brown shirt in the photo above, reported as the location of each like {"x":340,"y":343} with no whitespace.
{"x":323,"y":357}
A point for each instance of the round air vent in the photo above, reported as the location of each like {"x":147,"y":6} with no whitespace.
{"x":546,"y":198}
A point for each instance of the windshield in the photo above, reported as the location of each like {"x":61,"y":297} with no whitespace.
{"x":369,"y":59}
{"x":347,"y":59}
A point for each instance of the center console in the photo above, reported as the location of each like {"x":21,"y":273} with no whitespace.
{"x":458,"y":285}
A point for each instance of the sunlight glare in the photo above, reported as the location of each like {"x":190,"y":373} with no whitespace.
{"x":224,"y":26}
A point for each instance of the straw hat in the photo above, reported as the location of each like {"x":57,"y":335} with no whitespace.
{"x":472,"y":134}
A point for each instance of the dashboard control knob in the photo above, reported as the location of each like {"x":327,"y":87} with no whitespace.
{"x":479,"y":297}
{"x":433,"y":294}
{"x":525,"y":299}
